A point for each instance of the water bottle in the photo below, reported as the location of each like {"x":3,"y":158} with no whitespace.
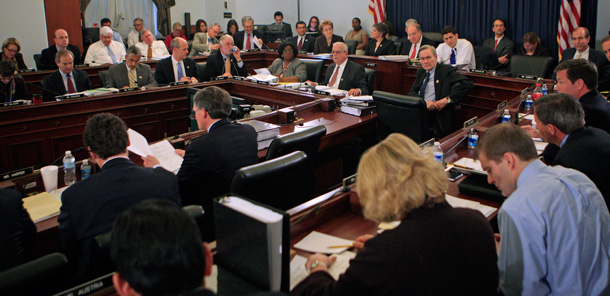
{"x":473,"y":139}
{"x":528,"y":104}
{"x":69,"y":169}
{"x":506,"y":116}
{"x":85,"y":170}
{"x":537,"y":92}
{"x":437,"y":152}
{"x":544,"y":89}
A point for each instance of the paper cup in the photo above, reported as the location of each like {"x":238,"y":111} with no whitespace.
{"x":49,"y":177}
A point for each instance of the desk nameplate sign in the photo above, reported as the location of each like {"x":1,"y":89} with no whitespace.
{"x":470,"y":122}
{"x":502,"y":105}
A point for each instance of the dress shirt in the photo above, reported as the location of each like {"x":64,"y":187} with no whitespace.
{"x":133,"y":37}
{"x":118,"y":38}
{"x":224,"y":58}
{"x":64,"y":76}
{"x":429,"y":93}
{"x":253,"y":46}
{"x":497,"y":41}
{"x":175,"y":66}
{"x":465,"y":54}
{"x":555,"y":237}
{"x":584,"y":55}
{"x":339,"y":74}
{"x":98,"y":53}
{"x":418,"y":47}
{"x":135,"y":71}
{"x":159,"y":50}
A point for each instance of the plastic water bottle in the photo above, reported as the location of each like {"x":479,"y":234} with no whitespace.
{"x":537,"y":92}
{"x":505,"y":116}
{"x":437,"y":152}
{"x":473,"y":139}
{"x":528,"y":103}
{"x":85,"y":170}
{"x":544,"y":89}
{"x":69,"y":169}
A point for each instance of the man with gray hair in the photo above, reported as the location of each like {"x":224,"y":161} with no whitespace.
{"x":345,"y":74}
{"x":225,"y":62}
{"x":106,"y":50}
{"x":206,"y":42}
{"x":249,"y":37}
{"x":151,"y":48}
{"x":131,"y":73}
{"x":134,"y":36}
{"x":414,"y":41}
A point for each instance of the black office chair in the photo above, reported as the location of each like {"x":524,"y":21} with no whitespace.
{"x":314,"y":69}
{"x":398,"y":47}
{"x":401,"y":114}
{"x":529,"y":65}
{"x":434,"y":36}
{"x":276,"y":182}
{"x":104,"y":77}
{"x":201,"y":69}
{"x":46,"y":275}
{"x":351,"y":46}
{"x":484,"y":57}
{"x":39,"y":66}
{"x":370,"y":78}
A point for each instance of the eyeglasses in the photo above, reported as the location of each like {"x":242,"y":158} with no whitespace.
{"x":337,"y":51}
{"x":288,"y":51}
{"x":194,"y":115}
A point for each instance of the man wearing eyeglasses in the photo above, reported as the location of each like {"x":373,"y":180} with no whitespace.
{"x":581,"y":50}
{"x":345,"y":74}
{"x":226,"y":61}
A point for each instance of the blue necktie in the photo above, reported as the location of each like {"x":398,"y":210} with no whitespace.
{"x":452,"y":58}
{"x":422,"y":90}
{"x":180,"y":73}
{"x":112,"y":56}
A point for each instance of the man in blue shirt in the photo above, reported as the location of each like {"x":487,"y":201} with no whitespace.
{"x":553,"y":225}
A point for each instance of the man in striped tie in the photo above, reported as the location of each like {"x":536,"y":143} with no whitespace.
{"x":130,"y":73}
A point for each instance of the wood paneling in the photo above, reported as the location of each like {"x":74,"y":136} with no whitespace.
{"x":64,"y":14}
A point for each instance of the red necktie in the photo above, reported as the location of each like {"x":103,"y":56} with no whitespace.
{"x":414,"y":51}
{"x":300,"y":43}
{"x":70,"y":85}
{"x":248,"y":43}
{"x":334,"y":78}
{"x":496,"y":45}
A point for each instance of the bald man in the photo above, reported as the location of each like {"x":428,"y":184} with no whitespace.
{"x":62,"y":41}
{"x":581,"y":50}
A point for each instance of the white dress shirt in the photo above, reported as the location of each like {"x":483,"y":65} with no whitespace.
{"x":418,"y":47}
{"x":464,"y":55}
{"x":175,"y":64}
{"x":159,"y":50}
{"x":64,"y":76}
{"x":133,"y":37}
{"x":98,"y":53}
{"x":341,"y":67}
{"x":582,"y":55}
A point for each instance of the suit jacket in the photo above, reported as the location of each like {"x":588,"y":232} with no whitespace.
{"x":447,"y":83}
{"x":210,"y":162}
{"x":595,"y":56}
{"x":295,"y":68}
{"x":238,"y":38}
{"x":200,"y":43}
{"x":53,"y":85}
{"x":385,"y":48}
{"x":47,"y":58}
{"x":434,"y":251}
{"x":308,"y":42}
{"x":164,"y":72}
{"x":119,"y":76}
{"x":321,"y":46}
{"x":17,"y":61}
{"x":15,"y":227}
{"x":21,"y":91}
{"x":90,"y":206}
{"x":216,"y":67}
{"x":505,"y":47}
{"x":406,"y":45}
{"x":538,"y":52}
{"x":353,"y":77}
{"x":597,"y":110}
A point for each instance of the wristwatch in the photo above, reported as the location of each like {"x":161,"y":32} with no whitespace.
{"x":316,"y":264}
{"x":449,"y":101}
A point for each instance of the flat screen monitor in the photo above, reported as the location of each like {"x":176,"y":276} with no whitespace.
{"x":275,"y":32}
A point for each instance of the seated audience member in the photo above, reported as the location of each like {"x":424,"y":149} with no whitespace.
{"x":47,"y":57}
{"x":90,"y":206}
{"x":455,"y":52}
{"x":553,"y":225}
{"x":414,"y":41}
{"x":581,"y":50}
{"x":201,"y":26}
{"x":134,"y":36}
{"x":157,"y":250}
{"x":177,"y":67}
{"x":442,"y":88}
{"x":206,"y":42}
{"x":303,"y":41}
{"x":288,"y":67}
{"x":324,"y":43}
{"x":345,"y":74}
{"x":606,"y":46}
{"x":379,"y":45}
{"x":225,"y":61}
{"x":66,"y":79}
{"x":131,"y":73}
{"x":176,"y":32}
{"x":151,"y":48}
{"x":313,"y":26}
{"x":501,"y":45}
{"x":436,"y":249}
{"x":248,"y":38}
{"x":232,"y":27}
{"x":15,"y":228}
{"x":278,"y":17}
{"x":11,"y":52}
{"x":390,"y":35}
{"x":532,"y":46}
{"x":106,"y":50}
{"x":12,"y":87}
{"x":359,"y":35}
{"x":115,"y":35}
{"x":560,"y":120}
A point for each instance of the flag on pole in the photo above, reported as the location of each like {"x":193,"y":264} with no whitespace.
{"x":569,"y":19}
{"x":377,"y":9}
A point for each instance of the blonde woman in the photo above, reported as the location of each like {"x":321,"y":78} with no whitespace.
{"x":324,"y":43}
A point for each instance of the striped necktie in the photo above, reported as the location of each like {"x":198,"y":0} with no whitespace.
{"x":132,"y":78}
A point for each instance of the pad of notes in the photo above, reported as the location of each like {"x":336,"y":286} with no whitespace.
{"x":42,"y":206}
{"x":298,"y":272}
{"x":470,"y":165}
{"x":317,"y":242}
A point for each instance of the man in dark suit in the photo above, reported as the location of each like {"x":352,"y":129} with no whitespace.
{"x":501,"y":46}
{"x":604,"y":85}
{"x":348,"y":75}
{"x":278,"y":16}
{"x":581,"y":50}
{"x":414,"y":41}
{"x":442,"y":88}
{"x":248,"y":38}
{"x":131,"y":73}
{"x":560,"y":120}
{"x":302,"y":40}
{"x":177,"y":67}
{"x":66,"y":80}
{"x":47,"y":58}
{"x":15,"y":228}
{"x":90,"y":206}
{"x":225,"y":62}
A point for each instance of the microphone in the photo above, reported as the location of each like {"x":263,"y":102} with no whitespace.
{"x":43,"y":89}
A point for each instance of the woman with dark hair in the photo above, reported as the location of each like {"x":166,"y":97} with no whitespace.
{"x":324,"y":43}
{"x":381,"y":46}
{"x":201,"y":26}
{"x":389,"y":35}
{"x":11,"y":52}
{"x":532,"y":47}
{"x":288,"y":67}
{"x":359,"y":35}
{"x":313,"y":26}
{"x":232,"y":27}
{"x":12,"y":87}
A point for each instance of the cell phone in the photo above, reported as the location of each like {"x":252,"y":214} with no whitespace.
{"x":454,"y":175}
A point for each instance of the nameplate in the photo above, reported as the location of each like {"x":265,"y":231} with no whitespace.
{"x":254,"y":49}
{"x":321,"y":92}
{"x":428,"y":143}
{"x":240,"y":78}
{"x":262,"y":82}
{"x":26,"y":70}
{"x":272,"y":50}
{"x":128,"y":89}
{"x":90,"y":288}
{"x":524,"y":76}
{"x":227,"y":15}
{"x":478,"y":71}
{"x":502,"y":105}
{"x":417,"y":64}
{"x":69,"y":96}
{"x":81,"y":65}
{"x":178,"y":83}
{"x":17,"y":173}
{"x":471,"y":122}
{"x":15,"y":103}
{"x":220,"y":78}
{"x":302,"y":51}
{"x":370,"y":64}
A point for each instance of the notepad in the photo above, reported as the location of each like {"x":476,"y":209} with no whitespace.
{"x":298,"y":272}
{"x":473,"y":165}
{"x":42,"y":206}
{"x":317,"y":242}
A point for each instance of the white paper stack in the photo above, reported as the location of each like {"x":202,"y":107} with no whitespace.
{"x":457,"y":202}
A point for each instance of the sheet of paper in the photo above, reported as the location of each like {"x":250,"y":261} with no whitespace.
{"x":138,"y":144}
{"x":166,"y":154}
{"x":474,"y":165}
{"x":457,"y":202}
{"x":317,"y":242}
{"x":42,"y":206}
{"x":262,"y":71}
{"x":340,"y":266}
{"x":388,"y":225}
{"x":298,"y":272}
{"x":540,"y":146}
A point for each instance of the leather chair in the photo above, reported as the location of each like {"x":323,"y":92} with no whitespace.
{"x":201,"y":69}
{"x":314,"y":69}
{"x":104,"y":77}
{"x":39,"y":66}
{"x":276,"y":182}
{"x":401,"y":114}
{"x":398,"y":46}
{"x":434,"y":36}
{"x":370,"y":78}
{"x":484,"y":57}
{"x":529,"y":65}
{"x":46,"y":275}
{"x":351,"y":46}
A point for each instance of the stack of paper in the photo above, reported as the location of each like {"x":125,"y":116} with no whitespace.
{"x":42,"y":206}
{"x":263,"y":74}
{"x":298,"y":272}
{"x":470,"y":165}
{"x":464,"y":203}
{"x":163,"y":151}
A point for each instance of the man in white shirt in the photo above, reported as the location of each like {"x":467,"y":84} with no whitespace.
{"x":178,"y":67}
{"x":134,"y":36}
{"x":115,"y":35}
{"x":106,"y":50}
{"x":345,"y":74}
{"x":152,"y":49}
{"x":455,"y":51}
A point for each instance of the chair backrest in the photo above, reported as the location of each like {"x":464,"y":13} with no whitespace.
{"x":401,"y":114}
{"x":529,"y":65}
{"x":37,"y":61}
{"x":307,"y":141}
{"x":201,"y":69}
{"x":351,"y":46}
{"x":398,"y":47}
{"x":46,"y":275}
{"x":370,"y":78}
{"x":104,"y":77}
{"x":314,"y":69}
{"x":434,"y":36}
{"x":484,"y":56}
{"x":276,"y":182}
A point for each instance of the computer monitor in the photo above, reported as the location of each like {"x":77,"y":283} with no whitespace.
{"x":275,"y":32}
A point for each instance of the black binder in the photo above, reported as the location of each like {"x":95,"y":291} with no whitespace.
{"x":477,"y":185}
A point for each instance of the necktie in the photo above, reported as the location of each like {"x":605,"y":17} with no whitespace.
{"x":180,"y":72}
{"x":111,"y":54}
{"x":300,"y":43}
{"x":132,"y":78}
{"x":452,"y":58}
{"x":496,"y":47}
{"x":70,"y":85}
{"x":414,"y":51}
{"x":422,"y":90}
{"x":248,"y":43}
{"x":577,"y":56}
{"x":228,"y":66}
{"x":150,"y":54}
{"x":334,"y":78}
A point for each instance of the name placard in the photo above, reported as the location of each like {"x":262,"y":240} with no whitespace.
{"x":525,"y":76}
{"x":502,"y":105}
{"x":478,"y":71}
{"x":470,"y":122}
{"x":17,"y":173}
{"x":128,"y":89}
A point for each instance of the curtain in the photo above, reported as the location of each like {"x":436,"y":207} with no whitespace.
{"x":473,"y":18}
{"x":163,"y":15}
{"x":121,"y":13}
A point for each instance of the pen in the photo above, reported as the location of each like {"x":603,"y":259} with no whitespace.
{"x":459,"y":166}
{"x":340,"y":246}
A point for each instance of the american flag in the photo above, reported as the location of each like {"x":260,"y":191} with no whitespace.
{"x":377,"y":9}
{"x":569,"y":19}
